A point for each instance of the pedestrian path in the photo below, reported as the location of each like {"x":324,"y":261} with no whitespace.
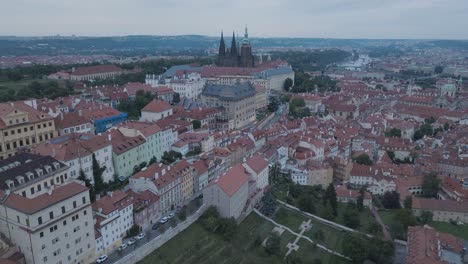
{"x":301,"y":235}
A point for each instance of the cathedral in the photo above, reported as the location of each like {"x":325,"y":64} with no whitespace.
{"x":239,"y":55}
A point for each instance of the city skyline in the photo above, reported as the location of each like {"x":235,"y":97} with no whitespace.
{"x":365,"y":19}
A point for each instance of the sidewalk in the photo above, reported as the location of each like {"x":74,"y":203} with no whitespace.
{"x":380,"y":222}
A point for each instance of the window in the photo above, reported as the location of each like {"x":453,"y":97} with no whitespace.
{"x":41,"y":234}
{"x":63,"y":209}
{"x":39,"y":188}
{"x":18,"y":219}
{"x":74,"y":204}
{"x":39,"y":220}
{"x":84,"y":199}
{"x":64,"y":222}
{"x":51,"y":215}
{"x":84,"y":212}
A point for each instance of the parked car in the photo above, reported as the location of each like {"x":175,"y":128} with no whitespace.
{"x":122,"y":247}
{"x":171,"y":215}
{"x":102,"y":258}
{"x":156,"y":226}
{"x":164,"y":220}
{"x":140,"y":236}
{"x":131,"y":242}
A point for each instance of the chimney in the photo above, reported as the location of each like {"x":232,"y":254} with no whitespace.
{"x":61,"y":115}
{"x":109,"y":137}
{"x":156,"y":175}
{"x":110,"y":194}
{"x":163,"y":172}
{"x":53,"y":152}
{"x":80,"y":112}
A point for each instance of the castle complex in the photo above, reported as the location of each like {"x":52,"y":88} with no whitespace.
{"x":239,"y":55}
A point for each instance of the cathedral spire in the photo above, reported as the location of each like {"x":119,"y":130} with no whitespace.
{"x":233,"y":45}
{"x":246,"y":34}
{"x":222,"y":46}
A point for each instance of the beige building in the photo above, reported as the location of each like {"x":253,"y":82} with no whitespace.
{"x":229,"y":192}
{"x":22,"y":127}
{"x":45,"y":214}
{"x":442,"y":210}
{"x":237,"y":102}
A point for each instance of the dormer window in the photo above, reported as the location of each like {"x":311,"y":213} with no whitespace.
{"x":30,"y":175}
{"x":20,"y":179}
{"x":39,"y":172}
{"x":56,"y":165}
{"x":48,"y":168}
{"x":10,"y":183}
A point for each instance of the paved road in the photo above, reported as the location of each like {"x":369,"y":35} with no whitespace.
{"x":149,"y":235}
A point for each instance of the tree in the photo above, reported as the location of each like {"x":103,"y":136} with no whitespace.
{"x":133,"y":231}
{"x":83,"y":178}
{"x":297,"y":102}
{"x":330,"y":196}
{"x":394,"y":132}
{"x":196,"y":124}
{"x":431,"y":185}
{"x":306,"y":204}
{"x":171,"y":156}
{"x":351,"y":216}
{"x":355,"y":247}
{"x":273,"y":105}
{"x":272,"y":245}
{"x":425,"y":217}
{"x":97,"y":175}
{"x":287,"y":84}
{"x":360,"y":199}
{"x":405,"y":217}
{"x":363,"y":159}
{"x":176,"y":98}
{"x":391,"y":200}
{"x":438,"y":69}
{"x":269,"y":204}
{"x":408,"y":203}
{"x":381,"y":251}
{"x":182,"y":215}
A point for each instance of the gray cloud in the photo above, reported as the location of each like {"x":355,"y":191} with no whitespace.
{"x":266,"y":18}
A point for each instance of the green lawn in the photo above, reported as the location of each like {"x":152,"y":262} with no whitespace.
{"x":20,"y":84}
{"x":196,"y":245}
{"x":460,"y":231}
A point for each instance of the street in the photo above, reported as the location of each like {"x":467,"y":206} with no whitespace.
{"x":150,"y":234}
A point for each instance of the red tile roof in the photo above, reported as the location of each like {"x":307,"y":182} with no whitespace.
{"x":257,"y":163}
{"x":231,"y":181}
{"x":96,"y":69}
{"x":43,"y":201}
{"x":157,"y":106}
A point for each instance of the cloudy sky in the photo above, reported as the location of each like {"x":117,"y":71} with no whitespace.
{"x":441,"y":19}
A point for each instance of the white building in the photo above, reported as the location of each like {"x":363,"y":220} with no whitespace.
{"x":44,"y":214}
{"x":114,"y":217}
{"x":155,"y":110}
{"x":188,"y":85}
{"x":257,"y":166}
{"x":76,"y":150}
{"x":229,"y":192}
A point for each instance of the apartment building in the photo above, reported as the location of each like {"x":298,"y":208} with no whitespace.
{"x":22,"y":127}
{"x":76,"y":151}
{"x":127,"y":151}
{"x":171,"y":183}
{"x":44,"y":213}
{"x":151,"y":132}
{"x":228,"y":193}
{"x":237,"y":102}
{"x":257,"y":166}
{"x":114,"y":217}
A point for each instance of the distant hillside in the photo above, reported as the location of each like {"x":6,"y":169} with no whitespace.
{"x":138,"y":45}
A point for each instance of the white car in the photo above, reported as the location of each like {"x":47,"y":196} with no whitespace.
{"x":102,"y":258}
{"x":131,"y":242}
{"x":140,"y":236}
{"x":164,"y":220}
{"x":122,"y":247}
{"x":171,"y":215}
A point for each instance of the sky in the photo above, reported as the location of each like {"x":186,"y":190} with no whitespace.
{"x":413,"y":19}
